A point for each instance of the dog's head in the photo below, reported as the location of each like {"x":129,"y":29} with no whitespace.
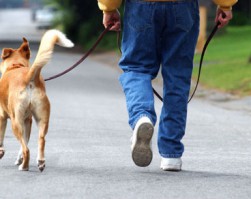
{"x":13,"y":57}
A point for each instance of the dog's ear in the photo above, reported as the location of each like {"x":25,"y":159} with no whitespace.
{"x":25,"y":49}
{"x":6,"y":53}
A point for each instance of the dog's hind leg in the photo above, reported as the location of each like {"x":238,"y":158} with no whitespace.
{"x":27,"y":131}
{"x":18,"y":130}
{"x":43,"y":128}
{"x":3,"y":124}
{"x":42,"y":116}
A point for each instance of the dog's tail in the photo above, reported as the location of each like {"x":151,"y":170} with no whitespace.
{"x":50,"y":38}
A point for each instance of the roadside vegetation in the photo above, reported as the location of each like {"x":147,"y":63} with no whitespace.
{"x":227,"y":63}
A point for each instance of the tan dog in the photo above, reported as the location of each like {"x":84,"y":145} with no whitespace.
{"x":22,"y":95}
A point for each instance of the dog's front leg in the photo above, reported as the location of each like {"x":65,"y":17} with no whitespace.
{"x":19,"y":159}
{"x":3,"y":124}
{"x":18,"y":131}
{"x":27,"y":132}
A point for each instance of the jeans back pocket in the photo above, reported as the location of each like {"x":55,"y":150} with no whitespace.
{"x":183,"y":16}
{"x":139,"y":14}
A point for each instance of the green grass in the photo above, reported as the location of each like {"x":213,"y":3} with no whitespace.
{"x":226,"y":63}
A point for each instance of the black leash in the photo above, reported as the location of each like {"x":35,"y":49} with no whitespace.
{"x":82,"y":58}
{"x":118,"y":43}
{"x":210,"y":37}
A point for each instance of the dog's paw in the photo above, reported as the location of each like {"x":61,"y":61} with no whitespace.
{"x":41,"y":165}
{"x":19,"y":161}
{"x":22,"y":168}
{"x":1,"y":152}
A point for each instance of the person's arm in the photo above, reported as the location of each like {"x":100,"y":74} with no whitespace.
{"x":224,"y":11}
{"x":111,"y":15}
{"x":225,"y":5}
{"x":109,"y":5}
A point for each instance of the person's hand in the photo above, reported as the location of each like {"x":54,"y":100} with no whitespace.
{"x":223,"y":17}
{"x":112,"y":20}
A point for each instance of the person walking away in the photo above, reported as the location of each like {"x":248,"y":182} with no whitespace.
{"x":158,"y":35}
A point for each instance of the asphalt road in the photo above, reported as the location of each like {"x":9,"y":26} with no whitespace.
{"x":88,"y":146}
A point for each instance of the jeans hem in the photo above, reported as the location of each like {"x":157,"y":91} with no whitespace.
{"x":171,"y":155}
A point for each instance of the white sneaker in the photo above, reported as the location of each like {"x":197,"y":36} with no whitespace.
{"x":141,"y":142}
{"x":171,"y":164}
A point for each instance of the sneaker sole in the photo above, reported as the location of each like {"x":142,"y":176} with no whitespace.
{"x":172,"y":168}
{"x":142,"y":152}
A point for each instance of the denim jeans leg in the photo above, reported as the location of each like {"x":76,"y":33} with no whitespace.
{"x":177,"y":64}
{"x":139,"y":96}
{"x":139,"y":60}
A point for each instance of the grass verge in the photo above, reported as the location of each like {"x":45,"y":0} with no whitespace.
{"x":227,"y":65}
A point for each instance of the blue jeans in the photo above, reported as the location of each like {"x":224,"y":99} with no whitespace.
{"x":159,"y":35}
